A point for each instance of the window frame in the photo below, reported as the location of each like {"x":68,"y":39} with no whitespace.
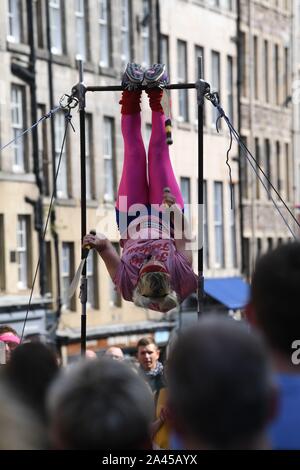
{"x":219,"y":224}
{"x":109,"y":134}
{"x":81,"y":16}
{"x":18,"y":107}
{"x":57,"y":47}
{"x":183,"y":105}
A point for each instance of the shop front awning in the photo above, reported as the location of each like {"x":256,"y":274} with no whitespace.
{"x":233,"y":292}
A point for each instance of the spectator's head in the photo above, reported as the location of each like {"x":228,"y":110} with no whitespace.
{"x":19,"y":429}
{"x":7,"y":329}
{"x":90,"y":354}
{"x":221,"y":392}
{"x":99,"y":405}
{"x":43,"y":338}
{"x":29,"y":373}
{"x":147,"y":353}
{"x":115,"y":353}
{"x":11,"y":339}
{"x":274,"y":299}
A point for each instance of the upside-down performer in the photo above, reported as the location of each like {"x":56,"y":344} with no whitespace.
{"x":155,"y":269}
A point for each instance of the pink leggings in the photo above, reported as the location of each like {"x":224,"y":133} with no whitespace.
{"x":134,"y":182}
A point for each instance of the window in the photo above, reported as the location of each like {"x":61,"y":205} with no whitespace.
{"x":105,"y":52}
{"x":185,"y":187}
{"x":270,"y":244}
{"x":298,"y":172}
{"x":67,"y":273}
{"x":298,"y":104}
{"x":81,"y":38}
{"x":278,"y":171}
{"x":92,"y":284}
{"x":115,"y":297}
{"x":125,"y":32}
{"x":23,"y":249}
{"x":258,"y":248}
{"x":230,"y":108}
{"x":232,"y":224}
{"x":205,"y":227}
{"x":266,"y":70}
{"x":218,"y":224}
{"x":108,"y":142}
{"x":215,"y":81}
{"x":199,"y":52}
{"x":287,"y":172}
{"x":182,"y":78}
{"x":243,"y":54}
{"x":43,"y":151}
{"x":268,"y":165}
{"x":56,"y":26}
{"x":40,"y":23}
{"x":14,"y":21}
{"x":145,"y":34}
{"x":244,"y":171}
{"x":286,"y":73}
{"x":62,"y":178}
{"x":164,"y":51}
{"x":257,"y":157}
{"x":256,"y":67}
{"x":48,"y":283}
{"x":246,"y":251}
{"x":89,"y":157}
{"x":2,"y":257}
{"x":18,"y":124}
{"x":228,"y":4}
{"x":276,"y":73}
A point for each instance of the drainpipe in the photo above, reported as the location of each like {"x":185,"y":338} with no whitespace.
{"x":53,"y":213}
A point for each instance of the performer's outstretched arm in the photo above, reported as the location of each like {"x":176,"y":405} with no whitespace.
{"x":182,"y":232}
{"x":106,"y":250}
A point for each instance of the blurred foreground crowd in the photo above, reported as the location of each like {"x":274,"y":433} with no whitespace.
{"x":224,"y":384}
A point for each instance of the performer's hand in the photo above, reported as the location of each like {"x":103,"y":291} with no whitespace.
{"x":168,"y":198}
{"x":99,"y":243}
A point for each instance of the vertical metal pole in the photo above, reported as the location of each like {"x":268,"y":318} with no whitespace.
{"x":158,"y":33}
{"x":83,"y":284}
{"x":200,"y":101}
{"x":241,"y":160}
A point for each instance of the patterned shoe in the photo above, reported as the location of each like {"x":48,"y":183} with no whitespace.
{"x":133,"y":77}
{"x":156,"y":76}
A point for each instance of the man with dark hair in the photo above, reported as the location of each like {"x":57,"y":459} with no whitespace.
{"x":29,"y":373}
{"x":100,"y":405}
{"x":150,"y":367}
{"x":220,"y":388}
{"x":274,"y":309}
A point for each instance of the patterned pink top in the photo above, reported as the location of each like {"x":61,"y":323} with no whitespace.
{"x":150,"y":239}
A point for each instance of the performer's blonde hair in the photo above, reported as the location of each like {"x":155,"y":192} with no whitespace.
{"x":154,"y":287}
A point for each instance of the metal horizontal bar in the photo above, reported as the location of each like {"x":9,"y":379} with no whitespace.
{"x":176,"y":86}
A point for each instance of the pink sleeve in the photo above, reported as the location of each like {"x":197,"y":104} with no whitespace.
{"x":185,"y":281}
{"x":122,"y":281}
